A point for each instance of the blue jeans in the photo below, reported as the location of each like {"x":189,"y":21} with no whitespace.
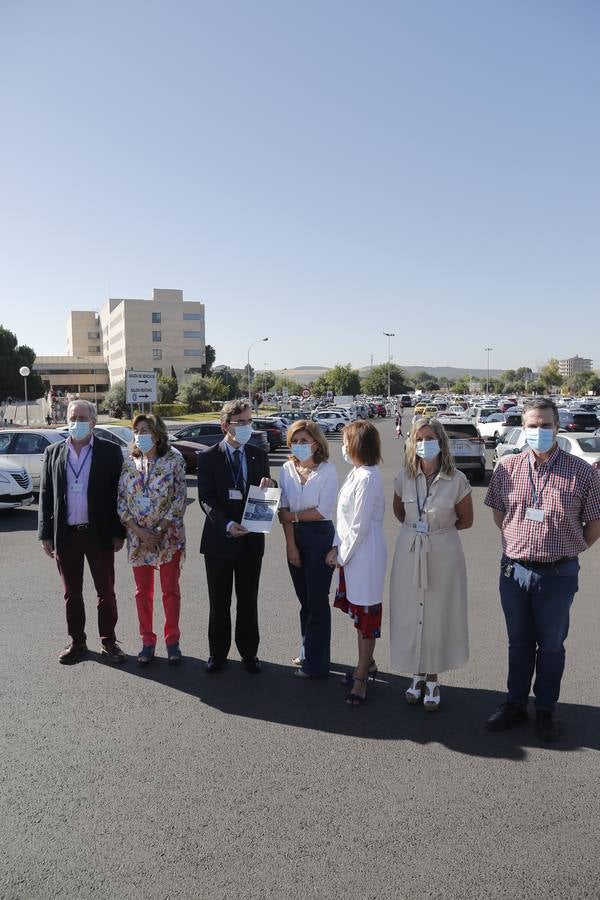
{"x":312,"y":581}
{"x":536,"y":605}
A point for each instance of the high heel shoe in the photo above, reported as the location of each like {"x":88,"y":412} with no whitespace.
{"x":372,"y":674}
{"x":431,"y":700}
{"x":414,"y":694}
{"x":353,"y":699}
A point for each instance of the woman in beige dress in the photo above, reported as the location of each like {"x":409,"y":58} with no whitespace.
{"x":428,"y":584}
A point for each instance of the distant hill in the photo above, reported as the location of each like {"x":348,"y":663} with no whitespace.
{"x":305,"y":374}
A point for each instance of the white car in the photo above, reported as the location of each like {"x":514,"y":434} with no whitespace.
{"x":16,"y":488}
{"x":121,"y":435}
{"x":497,"y":425}
{"x":331,"y":420}
{"x":24,"y":448}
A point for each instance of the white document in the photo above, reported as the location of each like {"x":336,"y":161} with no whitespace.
{"x":261,"y":509}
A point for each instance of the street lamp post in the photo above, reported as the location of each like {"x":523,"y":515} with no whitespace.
{"x":259,"y":341}
{"x":25,"y":371}
{"x":389,"y":335}
{"x":488,"y":350}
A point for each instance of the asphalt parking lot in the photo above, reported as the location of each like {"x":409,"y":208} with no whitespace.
{"x":165,"y":783}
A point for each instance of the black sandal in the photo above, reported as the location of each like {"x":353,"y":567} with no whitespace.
{"x":348,"y":678}
{"x":353,"y":699}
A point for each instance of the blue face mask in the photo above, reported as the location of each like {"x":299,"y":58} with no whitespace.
{"x":79,"y":430}
{"x":243,"y":433}
{"x":428,"y":449}
{"x":144,"y":442}
{"x":540,"y":439}
{"x":302,"y":452}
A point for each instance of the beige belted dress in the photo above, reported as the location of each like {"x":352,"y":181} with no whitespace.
{"x":428,"y":584}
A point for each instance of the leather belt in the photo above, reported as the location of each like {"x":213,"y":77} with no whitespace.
{"x":82,"y":527}
{"x":534,"y":564}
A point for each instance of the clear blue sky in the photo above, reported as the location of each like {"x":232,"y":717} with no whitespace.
{"x":316,"y":171}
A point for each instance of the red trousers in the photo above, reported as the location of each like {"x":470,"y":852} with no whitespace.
{"x":171,"y":597}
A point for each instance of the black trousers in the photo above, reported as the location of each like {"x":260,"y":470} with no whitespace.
{"x":220,"y":573}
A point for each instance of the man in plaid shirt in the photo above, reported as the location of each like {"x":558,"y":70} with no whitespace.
{"x":546,"y":504}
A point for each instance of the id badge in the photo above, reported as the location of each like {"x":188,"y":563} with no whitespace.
{"x":422,"y":527}
{"x":234,"y":494}
{"x":534,"y":515}
{"x":143,"y":504}
{"x":75,"y":488}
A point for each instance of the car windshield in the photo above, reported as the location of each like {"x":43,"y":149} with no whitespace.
{"x":590,"y":444}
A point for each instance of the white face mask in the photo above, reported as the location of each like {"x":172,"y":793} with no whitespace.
{"x":428,"y":449}
{"x":242,"y":433}
{"x":144,"y":442}
{"x":346,"y":455}
{"x":79,"y":430}
{"x":302,"y":452}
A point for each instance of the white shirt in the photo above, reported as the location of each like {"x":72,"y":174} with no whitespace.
{"x":319,"y":492}
{"x":359,"y":535}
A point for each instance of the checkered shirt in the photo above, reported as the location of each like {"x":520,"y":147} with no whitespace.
{"x":570,"y":497}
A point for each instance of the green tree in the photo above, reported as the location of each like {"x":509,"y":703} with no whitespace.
{"x":550,"y":376}
{"x":12,"y":357}
{"x":582,"y":382}
{"x":209,"y":357}
{"x":462,"y":385}
{"x":115,"y":399}
{"x":201,"y":387}
{"x":344,"y":380}
{"x":166,"y":389}
{"x":231,"y":380}
{"x":263,"y":381}
{"x":320,"y":386}
{"x":376,"y":382}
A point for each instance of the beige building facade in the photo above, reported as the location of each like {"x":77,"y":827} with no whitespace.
{"x":166,"y":333}
{"x":83,"y":334}
{"x":573,"y":365}
{"x":73,"y":376}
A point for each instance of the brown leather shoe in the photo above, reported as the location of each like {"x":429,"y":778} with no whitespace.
{"x":113,"y":652}
{"x":75,"y":651}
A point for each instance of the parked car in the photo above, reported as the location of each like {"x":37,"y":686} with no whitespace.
{"x":380,"y":410}
{"x":405,"y":400}
{"x":275,"y":434}
{"x":331,"y":419}
{"x":16,"y":487}
{"x":511,"y":442}
{"x":466,"y":446}
{"x":497,"y":425}
{"x":211,"y":433}
{"x":121,"y":435}
{"x":584,"y":445}
{"x":25,"y":448}
{"x":578,"y":420}
{"x":190,"y":451}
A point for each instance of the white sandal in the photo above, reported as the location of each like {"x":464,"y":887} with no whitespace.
{"x":414,"y":694}
{"x":431,"y":700}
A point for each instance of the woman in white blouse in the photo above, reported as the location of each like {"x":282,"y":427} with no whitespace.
{"x":309,"y":487}
{"x":361,"y":553}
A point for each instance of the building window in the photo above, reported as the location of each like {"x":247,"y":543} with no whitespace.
{"x":157,"y":335}
{"x":95,"y":349}
{"x":157,"y":354}
{"x":93,"y":335}
{"x":156,"y":318}
{"x":192,"y":352}
{"x":193,"y":317}
{"x":192,"y":334}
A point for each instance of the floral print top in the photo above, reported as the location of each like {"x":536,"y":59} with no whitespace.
{"x":151,"y":490}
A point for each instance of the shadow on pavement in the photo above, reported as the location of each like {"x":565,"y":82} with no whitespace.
{"x":276,"y":696}
{"x":19,"y":519}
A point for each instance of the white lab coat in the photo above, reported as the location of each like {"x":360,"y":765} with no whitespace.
{"x":361,"y":544}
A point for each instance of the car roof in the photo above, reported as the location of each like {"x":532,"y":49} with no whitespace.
{"x":51,"y":433}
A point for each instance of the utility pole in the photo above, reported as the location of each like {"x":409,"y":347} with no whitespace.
{"x":389,"y":335}
{"x":488,"y":350}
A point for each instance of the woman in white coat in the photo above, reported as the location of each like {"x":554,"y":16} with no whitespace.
{"x":361,"y":552}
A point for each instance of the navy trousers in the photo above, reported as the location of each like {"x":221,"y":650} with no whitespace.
{"x":312,"y":581}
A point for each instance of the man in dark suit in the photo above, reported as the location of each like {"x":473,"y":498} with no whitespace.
{"x":78,"y":520}
{"x":225,"y":473}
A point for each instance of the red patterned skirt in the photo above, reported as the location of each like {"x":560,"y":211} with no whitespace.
{"x":367,"y":619}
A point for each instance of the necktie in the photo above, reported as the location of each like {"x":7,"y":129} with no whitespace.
{"x":237,"y":464}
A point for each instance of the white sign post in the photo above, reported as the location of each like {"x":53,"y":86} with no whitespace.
{"x":140,"y":386}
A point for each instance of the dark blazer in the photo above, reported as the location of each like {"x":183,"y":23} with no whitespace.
{"x":214,"y":483}
{"x":103,"y":483}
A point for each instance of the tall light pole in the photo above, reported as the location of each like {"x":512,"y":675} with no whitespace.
{"x":488,"y":350}
{"x":25,"y":371}
{"x":389,"y":335}
{"x":259,"y":341}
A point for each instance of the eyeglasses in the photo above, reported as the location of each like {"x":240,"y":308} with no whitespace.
{"x":241,"y":422}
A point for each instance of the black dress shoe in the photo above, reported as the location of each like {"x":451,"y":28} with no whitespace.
{"x":546,"y":726}
{"x":506,"y":717}
{"x":73,"y":653}
{"x":253,"y":665}
{"x":214,"y":664}
{"x":112,"y":652}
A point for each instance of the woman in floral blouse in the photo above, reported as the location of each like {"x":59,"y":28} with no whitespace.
{"x":152,"y":500}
